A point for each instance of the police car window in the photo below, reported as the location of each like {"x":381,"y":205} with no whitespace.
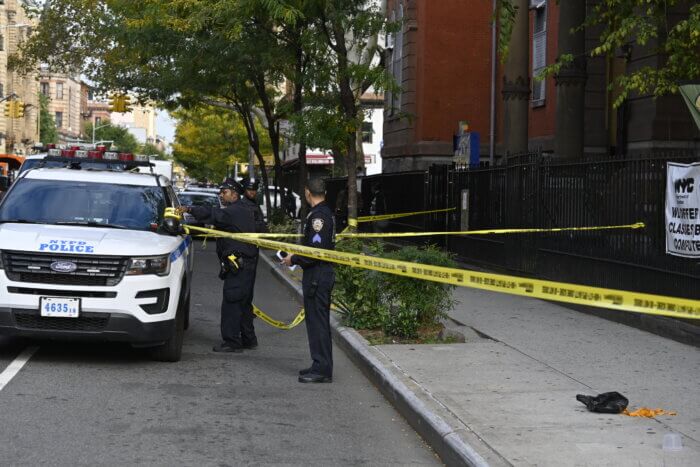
{"x":96,"y":204}
{"x":199,"y":200}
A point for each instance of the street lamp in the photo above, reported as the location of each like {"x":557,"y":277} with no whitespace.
{"x":94,"y":127}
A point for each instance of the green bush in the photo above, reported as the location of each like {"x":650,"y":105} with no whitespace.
{"x":357,"y":293}
{"x":398,"y":305}
{"x":413,"y":303}
{"x":279,"y":222}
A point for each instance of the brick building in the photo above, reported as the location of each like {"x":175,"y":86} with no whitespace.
{"x":65,"y":102}
{"x":442,"y":60}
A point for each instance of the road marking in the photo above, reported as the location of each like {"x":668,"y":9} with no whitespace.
{"x":16,"y":365}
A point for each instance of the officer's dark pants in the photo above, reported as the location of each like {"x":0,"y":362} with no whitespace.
{"x":237,"y":287}
{"x":247,"y":327}
{"x":317,"y":285}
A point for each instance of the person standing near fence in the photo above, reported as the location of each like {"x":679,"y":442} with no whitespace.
{"x":317,"y":283}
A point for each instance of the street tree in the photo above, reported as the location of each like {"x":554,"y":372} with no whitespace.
{"x":47,"y":126}
{"x":120,"y":136}
{"x":207,"y":140}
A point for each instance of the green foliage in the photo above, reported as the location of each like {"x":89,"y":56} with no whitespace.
{"x":152,"y":150}
{"x":279,"y":222}
{"x":412,"y":302}
{"x":207,"y":139}
{"x":47,"y":125}
{"x":120,"y":136}
{"x":397,"y":305}
{"x":357,"y":292}
{"x":649,"y":25}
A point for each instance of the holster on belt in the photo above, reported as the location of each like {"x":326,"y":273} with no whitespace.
{"x":230,"y":265}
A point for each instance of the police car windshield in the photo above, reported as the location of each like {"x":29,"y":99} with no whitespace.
{"x":193,"y":199}
{"x":31,"y":163}
{"x":91,"y":204}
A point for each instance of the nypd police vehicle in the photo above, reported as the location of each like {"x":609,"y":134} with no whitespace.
{"x":86,"y":253}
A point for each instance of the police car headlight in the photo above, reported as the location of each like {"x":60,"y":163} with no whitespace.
{"x":158,"y":265}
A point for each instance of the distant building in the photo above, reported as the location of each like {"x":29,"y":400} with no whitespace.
{"x":64,"y":92}
{"x":17,"y":135}
{"x":141,"y":122}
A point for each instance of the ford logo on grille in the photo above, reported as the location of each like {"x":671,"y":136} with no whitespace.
{"x":63,"y":266}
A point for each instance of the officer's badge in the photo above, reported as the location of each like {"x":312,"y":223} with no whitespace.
{"x":317,"y":224}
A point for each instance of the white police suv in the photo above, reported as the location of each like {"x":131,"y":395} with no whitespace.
{"x":86,"y":253}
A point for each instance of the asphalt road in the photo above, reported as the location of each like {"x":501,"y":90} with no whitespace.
{"x":103,"y":404}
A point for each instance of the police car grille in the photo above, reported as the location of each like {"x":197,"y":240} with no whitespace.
{"x":91,"y":270}
{"x":30,"y":320}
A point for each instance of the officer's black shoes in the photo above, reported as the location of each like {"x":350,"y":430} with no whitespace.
{"x":314,"y":378}
{"x":225,"y":347}
{"x":305,"y":371}
{"x":251,"y":346}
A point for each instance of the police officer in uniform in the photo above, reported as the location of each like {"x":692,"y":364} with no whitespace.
{"x":238,"y":262}
{"x":317,"y":283}
{"x":249,"y":200}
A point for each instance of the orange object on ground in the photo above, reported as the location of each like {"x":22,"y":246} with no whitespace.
{"x":647,"y":412}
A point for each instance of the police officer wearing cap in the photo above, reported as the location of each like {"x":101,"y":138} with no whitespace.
{"x":317,"y":283}
{"x":238,"y":261}
{"x":250,"y":199}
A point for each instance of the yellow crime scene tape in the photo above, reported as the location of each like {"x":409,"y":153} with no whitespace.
{"x":344,"y":234}
{"x":279,"y":324}
{"x":386,"y":217}
{"x":536,"y":288}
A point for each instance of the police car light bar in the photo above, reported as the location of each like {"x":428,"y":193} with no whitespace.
{"x":54,"y":152}
{"x":81,"y":154}
{"x":110,"y":156}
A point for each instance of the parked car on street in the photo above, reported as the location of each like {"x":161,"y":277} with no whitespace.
{"x":87,"y":254}
{"x":197,"y":198}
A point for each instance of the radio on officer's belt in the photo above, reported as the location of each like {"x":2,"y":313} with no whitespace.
{"x":283,"y":254}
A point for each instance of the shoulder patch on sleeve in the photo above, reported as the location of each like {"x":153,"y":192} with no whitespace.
{"x":317,"y":224}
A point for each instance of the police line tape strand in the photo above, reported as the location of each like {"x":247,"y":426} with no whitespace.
{"x":386,"y":217}
{"x":279,"y":324}
{"x":537,"y":288}
{"x":345,"y":234}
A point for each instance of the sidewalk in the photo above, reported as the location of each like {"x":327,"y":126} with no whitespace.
{"x":508,"y":393}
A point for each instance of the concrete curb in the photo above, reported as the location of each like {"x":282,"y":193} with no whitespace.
{"x":439,"y":434}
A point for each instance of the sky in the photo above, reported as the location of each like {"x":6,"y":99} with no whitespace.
{"x":165,"y":126}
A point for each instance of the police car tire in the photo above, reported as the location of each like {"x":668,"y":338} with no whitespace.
{"x":171,"y":350}
{"x":186,"y":311}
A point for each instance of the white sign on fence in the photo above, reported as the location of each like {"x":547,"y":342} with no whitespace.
{"x":683,"y":210}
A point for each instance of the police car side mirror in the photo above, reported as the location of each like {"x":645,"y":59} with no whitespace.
{"x":172,"y":226}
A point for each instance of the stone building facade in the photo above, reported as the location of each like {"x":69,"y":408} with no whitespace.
{"x":17,"y":135}
{"x":65,"y":102}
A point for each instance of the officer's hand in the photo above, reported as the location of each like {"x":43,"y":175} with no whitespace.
{"x":287,"y":260}
{"x":182,"y":209}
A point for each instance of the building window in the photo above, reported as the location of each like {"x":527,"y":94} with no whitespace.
{"x":2,"y":42}
{"x":2,"y":90}
{"x":45,"y":89}
{"x":367,"y":132}
{"x":98,"y":121}
{"x":59,"y":90}
{"x":539,"y":53}
{"x":59,"y":119}
{"x":397,"y":62}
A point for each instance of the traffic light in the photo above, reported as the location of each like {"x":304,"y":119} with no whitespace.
{"x":114,"y":103}
{"x":9,"y":108}
{"x":19,"y":109}
{"x":126,"y":101}
{"x":119,"y":103}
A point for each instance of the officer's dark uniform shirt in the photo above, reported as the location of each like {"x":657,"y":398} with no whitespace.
{"x":319,"y":232}
{"x":260,"y":225}
{"x":234,"y":218}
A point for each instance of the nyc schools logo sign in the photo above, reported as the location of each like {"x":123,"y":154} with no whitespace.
{"x":682,"y":210}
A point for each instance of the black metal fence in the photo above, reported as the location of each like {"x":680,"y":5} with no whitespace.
{"x":532,"y":191}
